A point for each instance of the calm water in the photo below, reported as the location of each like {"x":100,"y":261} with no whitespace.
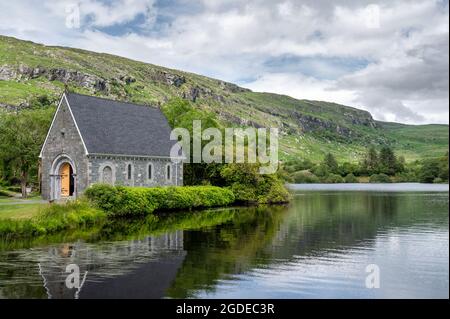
{"x":317,"y":247}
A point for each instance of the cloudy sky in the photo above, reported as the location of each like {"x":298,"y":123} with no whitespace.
{"x":389,"y":57}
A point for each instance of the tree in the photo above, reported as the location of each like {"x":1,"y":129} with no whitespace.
{"x":443,"y":167}
{"x":350,"y":178}
{"x":331,"y":163}
{"x":387,"y":161}
{"x":371,"y":161}
{"x":21,"y":137}
{"x":379,"y":178}
{"x":429,"y":171}
{"x":348,"y":168}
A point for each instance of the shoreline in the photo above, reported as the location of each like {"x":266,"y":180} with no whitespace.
{"x":371,"y":187}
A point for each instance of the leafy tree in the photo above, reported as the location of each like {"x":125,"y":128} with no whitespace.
{"x":379,"y":178}
{"x":443,"y":168}
{"x":305,"y":177}
{"x":400,"y":165}
{"x":331,"y":163}
{"x":334,"y":179}
{"x":387,"y":161}
{"x":370,"y":162}
{"x":348,"y":168}
{"x":249,"y":186}
{"x":429,"y":171}
{"x":321,"y":170}
{"x":21,"y":137}
{"x":243,"y":179}
{"x":181,"y":114}
{"x":350,"y":178}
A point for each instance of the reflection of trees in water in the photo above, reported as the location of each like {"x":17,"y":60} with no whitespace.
{"x":312,"y":225}
{"x":215,"y":244}
{"x":230,"y":248}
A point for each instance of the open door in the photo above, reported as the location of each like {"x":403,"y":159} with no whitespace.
{"x":66,"y":180}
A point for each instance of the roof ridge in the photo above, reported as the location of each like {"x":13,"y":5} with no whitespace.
{"x":111,"y":100}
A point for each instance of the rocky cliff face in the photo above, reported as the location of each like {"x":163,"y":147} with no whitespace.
{"x":181,"y":87}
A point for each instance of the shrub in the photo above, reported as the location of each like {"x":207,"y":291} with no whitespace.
{"x":429,"y":171}
{"x":379,"y":178}
{"x":121,"y":200}
{"x":406,"y":177}
{"x":15,"y":189}
{"x":250,"y":187}
{"x":4,"y":193}
{"x":334,"y":179}
{"x":321,"y":170}
{"x":350,"y":178}
{"x":305,"y":177}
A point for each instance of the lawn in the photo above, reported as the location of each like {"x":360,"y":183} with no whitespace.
{"x":13,"y":208}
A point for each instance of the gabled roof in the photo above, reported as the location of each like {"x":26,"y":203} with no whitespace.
{"x":119,"y":128}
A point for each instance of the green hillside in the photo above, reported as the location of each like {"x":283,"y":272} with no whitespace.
{"x":32,"y":73}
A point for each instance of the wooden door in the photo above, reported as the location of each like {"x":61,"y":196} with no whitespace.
{"x":65,"y":180}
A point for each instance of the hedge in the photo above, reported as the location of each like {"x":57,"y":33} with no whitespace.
{"x":120,"y":200}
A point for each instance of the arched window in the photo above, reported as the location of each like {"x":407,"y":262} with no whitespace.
{"x":150,"y":171}
{"x":168,"y":172}
{"x":107,"y":175}
{"x":129,"y":172}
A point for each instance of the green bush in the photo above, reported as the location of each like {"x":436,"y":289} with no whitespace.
{"x":249,"y":186}
{"x":334,"y":179}
{"x":121,"y":200}
{"x":15,"y":189}
{"x":379,"y":178}
{"x":4,"y":193}
{"x":305,"y":177}
{"x":350,"y":178}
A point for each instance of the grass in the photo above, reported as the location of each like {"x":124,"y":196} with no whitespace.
{"x":14,"y":93}
{"x":20,"y":211}
{"x":49,"y":219}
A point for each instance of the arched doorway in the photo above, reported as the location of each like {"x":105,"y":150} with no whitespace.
{"x":67,"y":180}
{"x":63,"y":178}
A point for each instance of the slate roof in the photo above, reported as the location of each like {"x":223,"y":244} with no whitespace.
{"x":113,"y":127}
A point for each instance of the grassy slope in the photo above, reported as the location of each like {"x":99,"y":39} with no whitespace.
{"x":233,"y":105}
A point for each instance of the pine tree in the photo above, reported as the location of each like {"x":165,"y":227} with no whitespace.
{"x":388,"y":161}
{"x":331,"y":163}
{"x":371,"y":161}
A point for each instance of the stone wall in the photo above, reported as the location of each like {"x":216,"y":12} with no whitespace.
{"x":139,"y":171}
{"x":64,"y":140}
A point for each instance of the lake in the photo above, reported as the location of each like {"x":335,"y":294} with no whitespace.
{"x":332,"y":241}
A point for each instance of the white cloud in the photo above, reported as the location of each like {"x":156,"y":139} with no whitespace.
{"x":104,"y":14}
{"x":302,"y":87}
